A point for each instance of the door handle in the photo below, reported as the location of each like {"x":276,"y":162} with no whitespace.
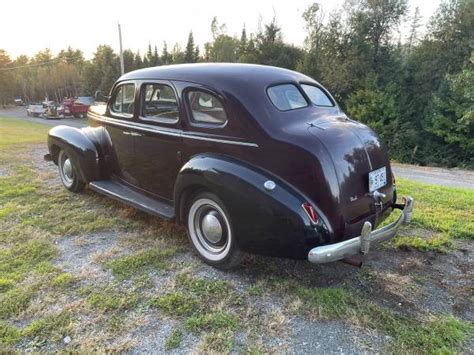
{"x":135,"y":134}
{"x":126,"y":133}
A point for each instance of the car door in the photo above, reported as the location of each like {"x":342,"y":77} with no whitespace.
{"x":119,"y":125}
{"x":158,"y":148}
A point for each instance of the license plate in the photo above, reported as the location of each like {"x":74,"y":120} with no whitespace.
{"x":377,"y":179}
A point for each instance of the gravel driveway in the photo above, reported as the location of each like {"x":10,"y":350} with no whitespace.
{"x":436,"y":176}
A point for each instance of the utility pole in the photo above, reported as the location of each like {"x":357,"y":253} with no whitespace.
{"x":122,"y":68}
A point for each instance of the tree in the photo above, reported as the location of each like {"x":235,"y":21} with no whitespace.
{"x":243,"y":43}
{"x":5,"y":78}
{"x":102,"y":72}
{"x":217,"y":29}
{"x":177,"y":55}
{"x":191,"y":54}
{"x":149,"y":56}
{"x":376,"y":108}
{"x":414,"y":26}
{"x":166,"y":57}
{"x":156,"y":56}
{"x":452,"y":114}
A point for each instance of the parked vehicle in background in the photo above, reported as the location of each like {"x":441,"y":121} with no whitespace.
{"x":47,"y":103}
{"x":19,"y":102}
{"x":76,"y":107}
{"x":51,"y":112}
{"x":35,"y":110}
{"x":248,"y":157}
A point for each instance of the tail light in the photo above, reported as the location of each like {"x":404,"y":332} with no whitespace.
{"x":311,"y":212}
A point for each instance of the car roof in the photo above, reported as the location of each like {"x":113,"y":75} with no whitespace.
{"x":219,"y":74}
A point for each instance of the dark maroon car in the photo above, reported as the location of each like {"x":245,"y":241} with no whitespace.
{"x":249,"y":157}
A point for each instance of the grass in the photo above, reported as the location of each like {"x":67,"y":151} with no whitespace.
{"x":9,"y":334}
{"x":174,"y":340}
{"x":17,"y":133}
{"x":130,"y":265}
{"x":176,"y":304}
{"x":110,"y":299}
{"x":15,"y":301}
{"x":50,"y":303}
{"x":446,"y":210}
{"x":409,"y":335}
{"x":50,"y":327}
{"x":212,"y":321}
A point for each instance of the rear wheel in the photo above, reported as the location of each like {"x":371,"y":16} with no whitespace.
{"x":210,"y":231}
{"x":68,"y":173}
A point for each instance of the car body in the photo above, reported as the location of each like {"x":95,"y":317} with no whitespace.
{"x":76,"y":107}
{"x":260,"y":155}
{"x":35,"y":110}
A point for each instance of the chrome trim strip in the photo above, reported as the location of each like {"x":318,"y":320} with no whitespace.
{"x":153,"y":129}
{"x":361,"y":244}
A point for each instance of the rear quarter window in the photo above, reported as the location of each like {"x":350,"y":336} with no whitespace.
{"x":286,"y":97}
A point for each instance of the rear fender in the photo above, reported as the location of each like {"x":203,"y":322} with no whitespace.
{"x":264,"y":220}
{"x":82,"y":145}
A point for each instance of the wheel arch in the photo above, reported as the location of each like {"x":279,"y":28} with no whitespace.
{"x":80,"y":146}
{"x":261,"y":216}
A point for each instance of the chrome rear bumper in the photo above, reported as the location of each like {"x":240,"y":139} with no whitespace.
{"x":362,"y":243}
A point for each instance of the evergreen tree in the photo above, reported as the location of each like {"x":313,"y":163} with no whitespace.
{"x":166,"y":57}
{"x":191,"y":53}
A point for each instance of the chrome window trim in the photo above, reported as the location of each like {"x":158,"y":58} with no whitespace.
{"x":156,"y":129}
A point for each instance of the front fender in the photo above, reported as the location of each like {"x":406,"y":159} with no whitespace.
{"x":79,"y":146}
{"x":266,"y":222}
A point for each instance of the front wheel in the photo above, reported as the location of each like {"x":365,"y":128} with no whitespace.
{"x":68,"y":173}
{"x":210,"y":231}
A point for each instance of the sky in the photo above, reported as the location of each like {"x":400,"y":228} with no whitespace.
{"x":28,"y":26}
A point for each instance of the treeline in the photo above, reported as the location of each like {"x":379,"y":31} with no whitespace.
{"x":416,"y":91}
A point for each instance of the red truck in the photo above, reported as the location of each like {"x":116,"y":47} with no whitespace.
{"x":76,"y":107}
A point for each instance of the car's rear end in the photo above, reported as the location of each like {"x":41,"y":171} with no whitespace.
{"x":351,"y":180}
{"x":367,"y":193}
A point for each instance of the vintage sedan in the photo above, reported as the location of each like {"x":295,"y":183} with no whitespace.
{"x":250,"y":158}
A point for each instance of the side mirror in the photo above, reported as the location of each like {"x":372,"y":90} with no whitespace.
{"x":100,"y":97}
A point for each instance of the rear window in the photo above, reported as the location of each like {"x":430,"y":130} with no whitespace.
{"x":286,"y":97}
{"x":317,"y":96}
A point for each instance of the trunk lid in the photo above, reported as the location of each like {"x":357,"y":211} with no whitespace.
{"x":355,"y":151}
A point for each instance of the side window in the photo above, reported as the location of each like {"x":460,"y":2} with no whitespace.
{"x":124,"y":99}
{"x":159,"y":103}
{"x":206,"y":108}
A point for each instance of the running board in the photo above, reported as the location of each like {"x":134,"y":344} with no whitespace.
{"x":123,"y":193}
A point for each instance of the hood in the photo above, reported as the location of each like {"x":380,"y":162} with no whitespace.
{"x":355,"y":151}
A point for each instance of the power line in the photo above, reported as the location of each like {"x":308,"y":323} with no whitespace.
{"x":36,"y":64}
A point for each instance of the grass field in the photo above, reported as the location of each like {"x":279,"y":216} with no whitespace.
{"x":148,"y":274}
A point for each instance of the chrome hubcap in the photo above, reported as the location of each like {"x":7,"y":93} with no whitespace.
{"x":67,"y":168}
{"x":211,"y":227}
